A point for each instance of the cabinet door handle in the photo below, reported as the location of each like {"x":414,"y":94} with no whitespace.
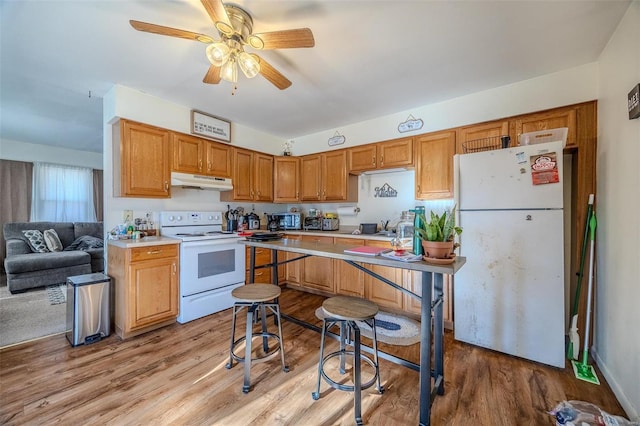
{"x":199,"y":164}
{"x":153,"y":251}
{"x":373,"y":160}
{"x":381,"y":160}
{"x":166,"y":185}
{"x":175,"y":269}
{"x":209,"y":165}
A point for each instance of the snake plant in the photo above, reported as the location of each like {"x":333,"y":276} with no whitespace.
{"x":438,"y":228}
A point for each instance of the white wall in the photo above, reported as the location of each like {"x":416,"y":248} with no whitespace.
{"x":123,"y":102}
{"x":617,"y":318}
{"x":549,"y":91}
{"x":22,"y":151}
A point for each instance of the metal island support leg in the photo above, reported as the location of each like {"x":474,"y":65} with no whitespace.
{"x":425,"y":350}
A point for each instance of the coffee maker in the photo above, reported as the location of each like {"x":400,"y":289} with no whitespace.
{"x":273,"y":222}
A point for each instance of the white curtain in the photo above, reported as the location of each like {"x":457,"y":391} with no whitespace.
{"x":62,"y":193}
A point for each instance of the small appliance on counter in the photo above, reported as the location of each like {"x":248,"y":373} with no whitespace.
{"x":252,"y":221}
{"x":287,"y":221}
{"x":330,"y":224}
{"x":313,"y":223}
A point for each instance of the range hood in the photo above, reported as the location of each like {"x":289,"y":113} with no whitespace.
{"x":201,"y":182}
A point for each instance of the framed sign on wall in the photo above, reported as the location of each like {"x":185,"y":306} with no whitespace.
{"x":210,"y":126}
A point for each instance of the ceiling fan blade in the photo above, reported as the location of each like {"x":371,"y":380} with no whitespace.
{"x":212,"y":76}
{"x":272,"y":74}
{"x":171,"y":32}
{"x":218,"y":15}
{"x":285,"y":39}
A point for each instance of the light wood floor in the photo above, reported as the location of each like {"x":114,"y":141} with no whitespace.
{"x":177,"y":376}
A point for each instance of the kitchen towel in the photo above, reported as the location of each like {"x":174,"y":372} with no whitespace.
{"x":348,"y":211}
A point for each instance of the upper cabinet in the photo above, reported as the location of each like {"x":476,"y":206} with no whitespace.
{"x":141,"y":160}
{"x":381,"y":155}
{"x":252,"y":176}
{"x":324,"y":177}
{"x":434,"y":165}
{"x":475,"y":132}
{"x":286,"y":179}
{"x":561,"y":117}
{"x":200,"y":156}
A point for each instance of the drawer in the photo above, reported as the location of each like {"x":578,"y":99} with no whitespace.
{"x":262,"y":256}
{"x":154,"y":252}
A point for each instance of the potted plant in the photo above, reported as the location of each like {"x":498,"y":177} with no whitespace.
{"x":437,"y":234}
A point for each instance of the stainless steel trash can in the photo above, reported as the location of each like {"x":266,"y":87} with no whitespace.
{"x":87,"y":308}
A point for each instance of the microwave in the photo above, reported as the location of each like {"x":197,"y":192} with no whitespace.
{"x":289,"y":220}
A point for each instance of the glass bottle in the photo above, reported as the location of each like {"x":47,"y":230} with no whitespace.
{"x":404,"y":232}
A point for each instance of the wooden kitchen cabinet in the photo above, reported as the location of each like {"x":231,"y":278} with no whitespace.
{"x":560,"y":117}
{"x":262,"y":257}
{"x":286,"y":180}
{"x":324,"y":177}
{"x":200,"y":156}
{"x":349,"y":281}
{"x":293,"y":270}
{"x":381,"y":155}
{"x":377,"y":291}
{"x":412,"y":281}
{"x":493,"y":129}
{"x":317,"y":272}
{"x":146,"y":287}
{"x":434,"y":165}
{"x":252,"y":176}
{"x":141,"y":160}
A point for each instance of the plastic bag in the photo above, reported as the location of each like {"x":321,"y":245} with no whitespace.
{"x":580,"y":413}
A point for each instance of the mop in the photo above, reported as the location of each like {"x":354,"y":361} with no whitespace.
{"x":582,"y":370}
{"x":574,"y":339}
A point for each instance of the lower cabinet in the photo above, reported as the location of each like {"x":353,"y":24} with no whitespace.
{"x":377,"y":291}
{"x":263,"y":257}
{"x":412,"y":281}
{"x":146,"y":287}
{"x":317,"y":272}
{"x":349,"y":280}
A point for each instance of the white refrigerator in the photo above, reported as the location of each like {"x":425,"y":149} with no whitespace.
{"x":509,"y":296}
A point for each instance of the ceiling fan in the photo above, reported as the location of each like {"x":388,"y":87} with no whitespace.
{"x":235,"y":27}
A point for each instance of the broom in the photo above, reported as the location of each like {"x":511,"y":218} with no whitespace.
{"x":574,"y":338}
{"x":582,"y":370}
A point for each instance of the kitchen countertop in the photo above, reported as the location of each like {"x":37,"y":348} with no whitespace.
{"x":143,"y":242}
{"x":340,"y":234}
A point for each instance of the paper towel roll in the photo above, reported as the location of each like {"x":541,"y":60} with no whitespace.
{"x":348,"y":211}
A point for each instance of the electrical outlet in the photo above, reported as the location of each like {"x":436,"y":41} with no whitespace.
{"x":127,"y":216}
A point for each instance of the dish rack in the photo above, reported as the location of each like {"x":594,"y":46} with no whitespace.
{"x":486,"y":144}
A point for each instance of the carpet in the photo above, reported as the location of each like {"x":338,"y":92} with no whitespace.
{"x":390,"y":328}
{"x":31,"y":315}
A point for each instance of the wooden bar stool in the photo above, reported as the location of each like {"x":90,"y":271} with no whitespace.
{"x":254,"y":297}
{"x":345,"y":311}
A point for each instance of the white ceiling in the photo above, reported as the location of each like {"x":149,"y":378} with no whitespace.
{"x":371,"y":58}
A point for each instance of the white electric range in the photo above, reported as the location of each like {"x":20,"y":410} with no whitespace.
{"x":212,"y":262}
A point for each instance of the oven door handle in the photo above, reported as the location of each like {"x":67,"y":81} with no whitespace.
{"x":209,"y":243}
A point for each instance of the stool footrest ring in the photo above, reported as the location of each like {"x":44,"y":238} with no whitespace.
{"x":348,"y":388}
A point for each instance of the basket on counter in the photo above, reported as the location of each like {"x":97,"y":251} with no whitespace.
{"x":486,"y":144}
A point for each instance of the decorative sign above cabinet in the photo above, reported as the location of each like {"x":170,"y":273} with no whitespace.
{"x":336,"y":139}
{"x":210,"y":126}
{"x":634,"y":102}
{"x":410,"y":124}
{"x":385,"y":191}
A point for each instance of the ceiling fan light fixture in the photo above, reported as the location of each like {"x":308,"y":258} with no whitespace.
{"x":248,"y":64}
{"x":229,"y":71}
{"x":218,"y":53}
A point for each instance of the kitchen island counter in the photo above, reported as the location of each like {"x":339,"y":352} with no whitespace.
{"x":432,"y":297}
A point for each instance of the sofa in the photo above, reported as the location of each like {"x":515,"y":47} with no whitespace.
{"x":79,"y":250}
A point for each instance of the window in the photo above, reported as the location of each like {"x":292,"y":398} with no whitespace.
{"x":62,"y":193}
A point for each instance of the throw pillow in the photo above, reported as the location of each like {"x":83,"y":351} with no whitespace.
{"x":85,"y":242}
{"x":52,"y":240}
{"x":35,"y":240}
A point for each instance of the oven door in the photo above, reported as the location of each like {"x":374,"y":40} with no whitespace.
{"x":210,"y":264}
